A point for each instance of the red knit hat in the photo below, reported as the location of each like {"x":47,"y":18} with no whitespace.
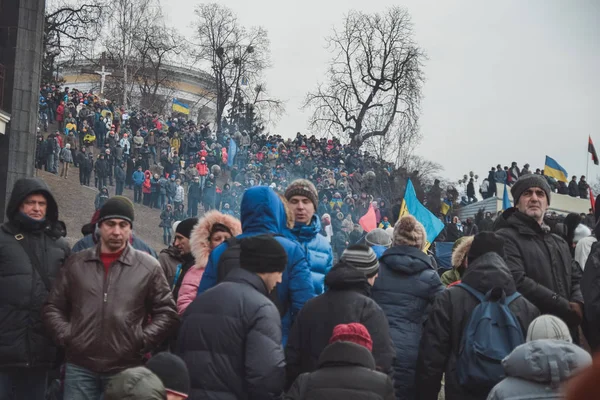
{"x":354,"y":332}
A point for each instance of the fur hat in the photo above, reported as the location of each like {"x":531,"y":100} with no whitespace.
{"x":409,"y":232}
{"x":303,"y":187}
{"x":460,"y":250}
{"x":199,"y":239}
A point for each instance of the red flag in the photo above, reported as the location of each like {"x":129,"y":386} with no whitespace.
{"x":592,"y":150}
{"x":369,"y":220}
{"x":592,"y":201}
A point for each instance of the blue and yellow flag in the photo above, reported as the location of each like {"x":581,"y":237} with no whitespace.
{"x":180,"y":107}
{"x":411,"y":205}
{"x":554,"y":170}
{"x":505,"y":200}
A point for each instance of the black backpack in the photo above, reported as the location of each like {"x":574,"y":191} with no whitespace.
{"x":230,"y":259}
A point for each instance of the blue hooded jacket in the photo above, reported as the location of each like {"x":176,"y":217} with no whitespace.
{"x":405,"y":289}
{"x":262,"y":212}
{"x":318,"y":251}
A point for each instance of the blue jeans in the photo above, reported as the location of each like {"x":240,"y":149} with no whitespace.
{"x":22,"y":383}
{"x":83,"y":384}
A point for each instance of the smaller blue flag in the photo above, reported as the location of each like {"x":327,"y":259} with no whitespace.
{"x":232,"y":152}
{"x":505,"y":200}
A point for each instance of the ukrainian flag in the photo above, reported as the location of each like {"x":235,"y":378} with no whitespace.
{"x":554,"y":170}
{"x":180,"y":107}
{"x":411,"y":205}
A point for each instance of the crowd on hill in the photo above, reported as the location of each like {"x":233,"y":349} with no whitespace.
{"x":272,"y":297}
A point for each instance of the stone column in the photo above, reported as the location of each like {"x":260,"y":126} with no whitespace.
{"x":21,"y":34}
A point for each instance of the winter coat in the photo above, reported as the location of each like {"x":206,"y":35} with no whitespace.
{"x":66,"y":156}
{"x":101,"y":168}
{"x":179,"y":194}
{"x":138,"y":178}
{"x":501,"y":176}
{"x":103,"y":319}
{"x":23,"y":340}
{"x":202,"y":169}
{"x":405,"y":289}
{"x":541,"y":265}
{"x":101,"y":198}
{"x":538,"y":369}
{"x":88,"y":241}
{"x":317,"y":249}
{"x":345,"y":371}
{"x":231,"y":341}
{"x":448,"y":318}
{"x":166,"y":218}
{"x":119,"y":174}
{"x":147,"y":185}
{"x":194,"y":191}
{"x":346,"y":300}
{"x":573,"y":189}
{"x":169,"y":258}
{"x":590,"y":287}
{"x":263,"y":212}
{"x":171,"y":188}
{"x":583,"y":189}
{"x":200,"y":243}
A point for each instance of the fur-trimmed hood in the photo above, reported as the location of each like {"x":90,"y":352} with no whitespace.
{"x":461,"y":251}
{"x":200,"y":233}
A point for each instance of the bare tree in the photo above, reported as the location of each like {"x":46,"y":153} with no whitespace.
{"x":69,"y":27}
{"x":235,"y":54}
{"x":373,"y":85}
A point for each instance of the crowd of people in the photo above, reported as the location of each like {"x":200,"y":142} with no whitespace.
{"x":257,"y":308}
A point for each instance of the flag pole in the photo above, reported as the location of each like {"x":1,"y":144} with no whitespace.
{"x":587,"y":163}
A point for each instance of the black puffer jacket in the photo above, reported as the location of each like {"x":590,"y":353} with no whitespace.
{"x":346,"y":372}
{"x":448,"y":318}
{"x":231,"y":341}
{"x":541,"y":265}
{"x":347,"y":300}
{"x":590,"y":286}
{"x":23,"y":339}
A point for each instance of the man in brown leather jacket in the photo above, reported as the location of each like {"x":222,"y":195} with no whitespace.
{"x":109,"y":306}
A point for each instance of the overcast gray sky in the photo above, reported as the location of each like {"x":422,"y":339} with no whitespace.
{"x":506,"y":80}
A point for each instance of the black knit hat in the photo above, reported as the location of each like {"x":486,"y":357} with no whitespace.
{"x":117,"y":207}
{"x":527,"y":182}
{"x":486,"y":242}
{"x":185,"y":227}
{"x":172,"y":371}
{"x":361,"y":257}
{"x":303,"y":187}
{"x":262,"y":254}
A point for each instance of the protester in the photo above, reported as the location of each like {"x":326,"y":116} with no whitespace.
{"x":406,"y":287}
{"x":167,"y":217}
{"x":173,"y":373}
{"x":539,"y":261}
{"x":379,"y":241}
{"x":346,"y":370}
{"x":443,"y":339}
{"x":248,"y":362}
{"x":263,"y":212}
{"x":539,"y":368}
{"x":115,"y":287}
{"x":101,"y":198}
{"x":183,"y":245}
{"x":66,"y":159}
{"x":138,"y":383}
{"x":346,"y":301}
{"x":32,"y":251}
{"x":211,"y":230}
{"x":460,"y":249}
{"x":302,"y":199}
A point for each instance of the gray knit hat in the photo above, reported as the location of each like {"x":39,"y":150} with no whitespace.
{"x":548,"y":327}
{"x":362,"y":258}
{"x":303,"y":187}
{"x":378,"y":237}
{"x":527,"y":182}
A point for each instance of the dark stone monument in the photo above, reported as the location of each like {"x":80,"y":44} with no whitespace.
{"x":21,"y":34}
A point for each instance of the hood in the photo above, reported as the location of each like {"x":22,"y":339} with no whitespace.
{"x":546,"y":361}
{"x":346,"y":277}
{"x":515,"y":219}
{"x":135,"y":383}
{"x":200,"y":234}
{"x":172,"y":251}
{"x":405,"y":259}
{"x":304,"y":232}
{"x":487,"y":272}
{"x":461,"y":251}
{"x":23,"y":188}
{"x":262,"y":211}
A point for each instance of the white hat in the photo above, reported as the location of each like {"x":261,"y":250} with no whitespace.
{"x":548,"y":327}
{"x":581,"y":232}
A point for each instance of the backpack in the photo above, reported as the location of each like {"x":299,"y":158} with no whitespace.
{"x":230,"y":259}
{"x":491,"y":334}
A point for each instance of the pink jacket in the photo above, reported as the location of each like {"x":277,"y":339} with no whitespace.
{"x":189,"y":288}
{"x":201,"y":250}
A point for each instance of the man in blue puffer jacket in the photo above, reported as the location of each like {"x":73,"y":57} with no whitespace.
{"x":262,"y":212}
{"x":302,"y":199}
